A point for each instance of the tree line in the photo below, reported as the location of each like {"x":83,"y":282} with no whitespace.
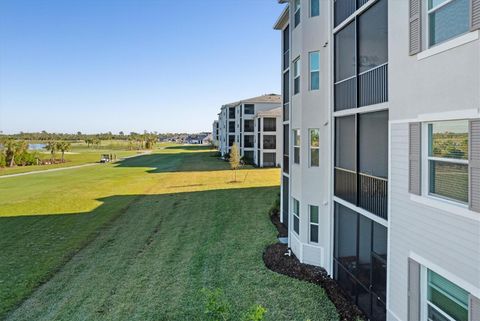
{"x":15,"y":152}
{"x":45,"y":136}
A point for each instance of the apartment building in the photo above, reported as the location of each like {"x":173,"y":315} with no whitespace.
{"x":237,"y":123}
{"x":215,"y":134}
{"x":268,"y":138}
{"x":388,"y":93}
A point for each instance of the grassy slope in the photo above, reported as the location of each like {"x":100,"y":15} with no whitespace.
{"x":163,"y":226}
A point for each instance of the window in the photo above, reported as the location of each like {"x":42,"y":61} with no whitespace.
{"x":231,"y":126}
{"x":314,"y":60}
{"x":286,"y":47}
{"x":448,"y":159}
{"x":269,"y":124}
{"x":447,"y":19}
{"x":314,"y":8}
{"x":373,"y":37}
{"x":231,"y":140}
{"x":296,"y":146}
{"x":314,"y":222}
{"x":248,"y":141}
{"x":314,"y":148}
{"x":231,"y":112}
{"x":269,"y":159}
{"x":286,"y":148}
{"x":296,"y":216}
{"x":445,"y":300}
{"x":296,"y":76}
{"x":286,"y":95}
{"x":269,"y":142}
{"x":249,"y":109}
{"x":248,"y":125}
{"x":296,"y":17}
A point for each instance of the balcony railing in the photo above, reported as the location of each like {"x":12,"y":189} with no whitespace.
{"x":365,"y":191}
{"x":346,"y":184}
{"x":346,"y":94}
{"x":373,"y":194}
{"x":373,"y":86}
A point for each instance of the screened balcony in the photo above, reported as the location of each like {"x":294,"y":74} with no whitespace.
{"x":248,"y":125}
{"x":269,"y":142}
{"x":248,"y":141}
{"x":361,"y":161}
{"x":345,"y":8}
{"x":361,"y":58}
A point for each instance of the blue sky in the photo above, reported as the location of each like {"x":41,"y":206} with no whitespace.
{"x":132,"y":65}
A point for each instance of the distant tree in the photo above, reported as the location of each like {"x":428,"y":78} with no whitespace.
{"x":63,"y":147}
{"x":121,"y":133}
{"x":51,"y":146}
{"x":235,"y":159}
{"x":10,"y":147}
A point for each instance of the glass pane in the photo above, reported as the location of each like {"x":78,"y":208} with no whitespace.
{"x":296,"y":68}
{"x":434,"y":315}
{"x":345,"y":65}
{"x":447,"y":296}
{"x":433,"y":3}
{"x":286,"y":87}
{"x":345,"y":150}
{"x":296,"y":85}
{"x":314,"y":80}
{"x":314,"y":233}
{"x":313,"y":214}
{"x":314,"y":61}
{"x":314,"y":138}
{"x":296,"y":224}
{"x":346,"y":237}
{"x":449,"y":21}
{"x":449,"y":139}
{"x":296,"y":137}
{"x":373,"y":136}
{"x":314,"y":8}
{"x":364,"y":250}
{"x":373,"y":37}
{"x":314,"y":157}
{"x":449,"y":180}
{"x":286,"y":142}
{"x":296,"y":155}
{"x":296,"y":206}
{"x":249,"y":109}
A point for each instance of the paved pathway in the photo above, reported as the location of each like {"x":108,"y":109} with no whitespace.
{"x":63,"y":168}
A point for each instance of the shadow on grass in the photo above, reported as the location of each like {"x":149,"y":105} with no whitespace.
{"x":35,"y":248}
{"x":194,"y":159}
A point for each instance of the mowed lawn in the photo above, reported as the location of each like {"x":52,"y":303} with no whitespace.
{"x":141,"y":239}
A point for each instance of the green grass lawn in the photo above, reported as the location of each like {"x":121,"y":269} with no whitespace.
{"x":140,"y":239}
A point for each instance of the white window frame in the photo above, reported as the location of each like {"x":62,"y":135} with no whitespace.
{"x":426,"y":158}
{"x":296,"y":146}
{"x":297,"y":215}
{"x":424,"y":296}
{"x":310,"y":70}
{"x":310,"y":223}
{"x":310,"y":130}
{"x":296,"y":74}
{"x":430,"y":11}
{"x":297,"y":5}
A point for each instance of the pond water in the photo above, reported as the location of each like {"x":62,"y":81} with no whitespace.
{"x":36,"y":146}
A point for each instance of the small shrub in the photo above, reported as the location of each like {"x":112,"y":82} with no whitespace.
{"x":275,"y":209}
{"x":256,"y":313}
{"x":216,"y":306}
{"x":3,"y":160}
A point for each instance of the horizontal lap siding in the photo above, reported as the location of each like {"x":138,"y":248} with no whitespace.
{"x":448,"y":240}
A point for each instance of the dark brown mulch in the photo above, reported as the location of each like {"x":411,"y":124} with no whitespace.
{"x":276,"y":260}
{"x":275,"y":218}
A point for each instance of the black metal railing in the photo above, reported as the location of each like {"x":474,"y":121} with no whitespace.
{"x":346,"y":184}
{"x":346,"y":94}
{"x":373,"y":86}
{"x":373,"y":194}
{"x":343,"y":9}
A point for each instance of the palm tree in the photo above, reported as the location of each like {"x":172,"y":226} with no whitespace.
{"x":10,"y":147}
{"x":52,"y":148}
{"x":63,"y":147}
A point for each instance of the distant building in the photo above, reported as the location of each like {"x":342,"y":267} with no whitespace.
{"x":268,"y":138}
{"x":236,"y":124}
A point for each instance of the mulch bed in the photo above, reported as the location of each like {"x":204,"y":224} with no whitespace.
{"x":276,"y":260}
{"x":275,"y":218}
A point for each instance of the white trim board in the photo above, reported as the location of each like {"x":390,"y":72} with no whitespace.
{"x":446,"y":274}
